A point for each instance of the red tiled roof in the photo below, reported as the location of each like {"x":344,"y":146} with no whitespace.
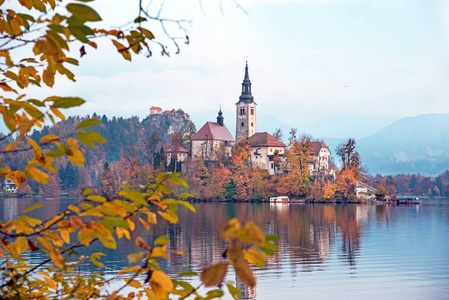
{"x":264,"y":139}
{"x":167,"y":112}
{"x":316,"y":147}
{"x":213,"y":131}
{"x":156,"y":108}
{"x":181,"y":149}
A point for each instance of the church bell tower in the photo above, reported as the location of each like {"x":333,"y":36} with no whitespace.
{"x":245,"y":111}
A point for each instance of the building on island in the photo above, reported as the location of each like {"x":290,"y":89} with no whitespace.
{"x":182,"y":154}
{"x":212,"y":139}
{"x":264,"y":147}
{"x":9,"y":186}
{"x":154,"y":110}
{"x":246,"y":113}
{"x":319,"y":155}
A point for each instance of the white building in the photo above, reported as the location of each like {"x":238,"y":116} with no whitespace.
{"x":264,"y":147}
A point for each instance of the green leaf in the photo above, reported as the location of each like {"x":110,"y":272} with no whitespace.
{"x":176,"y":180}
{"x":88,"y":123}
{"x":162,"y":240}
{"x":181,"y":202}
{"x":89,"y":137}
{"x":83,"y":12}
{"x":67,"y":102}
{"x":116,"y":222}
{"x":36,"y":102}
{"x":214,"y":294}
{"x":139,"y":19}
{"x":189,"y":273}
{"x":185,"y":285}
{"x":87,"y":192}
{"x":271,"y":237}
{"x":94,"y":257}
{"x":55,"y":153}
{"x":134,"y":196}
{"x":235,"y":292}
{"x":96,"y":198}
{"x":33,"y":207}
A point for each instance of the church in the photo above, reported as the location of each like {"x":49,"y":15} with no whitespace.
{"x":214,"y":138}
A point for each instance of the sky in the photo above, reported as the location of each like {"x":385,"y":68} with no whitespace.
{"x":331,"y":68}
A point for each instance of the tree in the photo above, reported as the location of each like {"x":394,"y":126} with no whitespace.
{"x":278,"y":134}
{"x":292,"y":134}
{"x":151,"y":146}
{"x":97,"y":219}
{"x":349,"y":157}
{"x":176,"y":144}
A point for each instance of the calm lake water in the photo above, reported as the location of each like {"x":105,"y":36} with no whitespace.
{"x":326,"y":251}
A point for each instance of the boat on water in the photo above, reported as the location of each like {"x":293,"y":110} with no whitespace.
{"x":280,"y":199}
{"x":409,"y":200}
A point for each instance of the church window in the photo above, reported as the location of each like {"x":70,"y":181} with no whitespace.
{"x":252,"y":111}
{"x":252,"y":124}
{"x":241,"y":124}
{"x":242,"y":111}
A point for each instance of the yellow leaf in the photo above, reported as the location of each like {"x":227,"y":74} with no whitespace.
{"x":255,"y":257}
{"x":252,"y":234}
{"x":56,"y":257}
{"x":162,"y":240}
{"x":57,"y":113}
{"x":122,"y":50}
{"x":159,"y":252}
{"x":169,"y":216}
{"x":145,"y":224}
{"x":135,"y":257}
{"x":232,"y":230}
{"x":73,"y":208}
{"x":44,"y":242}
{"x":161,"y":284}
{"x":105,"y":237}
{"x":33,"y":207}
{"x":241,"y":267}
{"x":85,"y":237}
{"x":51,"y":283}
{"x":214,"y":275}
{"x":49,"y":138}
{"x":36,"y":174}
{"x":65,"y":235}
{"x":113,"y":296}
{"x":75,"y":221}
{"x":130,"y":269}
{"x":131,"y":224}
{"x":20,"y":244}
{"x":48,"y":77}
{"x":132,"y":282}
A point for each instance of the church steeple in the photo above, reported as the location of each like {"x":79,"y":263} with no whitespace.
{"x":220,"y":118}
{"x":246,"y":96}
{"x":245,"y":111}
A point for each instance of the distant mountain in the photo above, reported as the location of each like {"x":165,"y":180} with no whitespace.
{"x":410,"y":145}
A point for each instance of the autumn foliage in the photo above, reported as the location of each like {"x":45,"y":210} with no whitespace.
{"x":128,"y":194}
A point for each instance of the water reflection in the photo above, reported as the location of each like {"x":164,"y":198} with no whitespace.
{"x":335,"y":251}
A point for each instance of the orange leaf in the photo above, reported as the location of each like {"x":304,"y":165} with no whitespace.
{"x":214,"y":275}
{"x":142,"y":244}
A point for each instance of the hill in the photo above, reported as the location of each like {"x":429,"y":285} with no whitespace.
{"x":409,"y":145}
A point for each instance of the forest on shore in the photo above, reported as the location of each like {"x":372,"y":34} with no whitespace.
{"x":135,"y":153}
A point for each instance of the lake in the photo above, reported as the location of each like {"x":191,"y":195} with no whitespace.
{"x":327,"y":251}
